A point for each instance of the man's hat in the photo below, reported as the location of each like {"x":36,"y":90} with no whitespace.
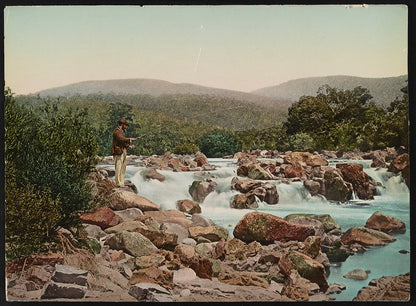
{"x":123,"y":121}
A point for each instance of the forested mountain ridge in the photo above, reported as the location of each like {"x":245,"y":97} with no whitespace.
{"x":157,"y":88}
{"x":383,"y":90}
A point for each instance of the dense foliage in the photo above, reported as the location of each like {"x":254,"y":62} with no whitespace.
{"x":48,"y":158}
{"x":348,"y":120}
{"x":219,"y":143}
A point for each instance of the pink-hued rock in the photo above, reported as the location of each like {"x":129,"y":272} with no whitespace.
{"x":267,"y":228}
{"x":104,"y":217}
{"x":382,"y":222}
{"x":366,"y":236}
{"x":188,"y":207}
{"x":122,"y":199}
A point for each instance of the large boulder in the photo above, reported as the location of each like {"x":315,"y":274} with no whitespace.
{"x":366,"y":236}
{"x":245,"y":185}
{"x":307,"y":268}
{"x":305,"y":159}
{"x":132,"y":243}
{"x":382,"y":222}
{"x":387,"y":288}
{"x":104,"y":217}
{"x":266,"y":228}
{"x":200,"y":189}
{"x":336,"y":189}
{"x":122,"y":199}
{"x":354,"y":174}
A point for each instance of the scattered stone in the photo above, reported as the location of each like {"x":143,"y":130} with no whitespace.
{"x":382,"y":222}
{"x":366,"y":236}
{"x":122,"y":199}
{"x":132,"y":243}
{"x":199,"y":190}
{"x":104,"y":217}
{"x":152,"y":275}
{"x":357,"y":274}
{"x":188,"y":207}
{"x":129,"y":214}
{"x":200,"y":220}
{"x":184,"y":275}
{"x":212,"y":233}
{"x":149,"y":292}
{"x":70,"y":275}
{"x":153,"y":174}
{"x":59,"y":290}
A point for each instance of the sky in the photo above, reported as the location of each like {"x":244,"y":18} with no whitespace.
{"x":232,"y":47}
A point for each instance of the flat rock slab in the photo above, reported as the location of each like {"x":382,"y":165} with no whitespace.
{"x":59,"y":290}
{"x":70,"y":275}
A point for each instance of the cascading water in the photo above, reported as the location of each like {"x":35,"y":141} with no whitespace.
{"x":392,"y":199}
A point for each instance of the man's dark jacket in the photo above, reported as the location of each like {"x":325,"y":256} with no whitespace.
{"x":119,"y":142}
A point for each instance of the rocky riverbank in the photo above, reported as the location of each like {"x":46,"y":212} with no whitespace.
{"x":143,"y":253}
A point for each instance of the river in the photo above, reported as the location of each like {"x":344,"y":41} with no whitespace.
{"x":393,"y":198}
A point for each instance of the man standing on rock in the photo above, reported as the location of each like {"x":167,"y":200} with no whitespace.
{"x":119,"y":150}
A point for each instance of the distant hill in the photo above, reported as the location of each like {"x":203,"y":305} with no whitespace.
{"x":158,"y":88}
{"x":383,"y":90}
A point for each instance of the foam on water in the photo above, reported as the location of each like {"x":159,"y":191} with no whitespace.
{"x":393,"y":199}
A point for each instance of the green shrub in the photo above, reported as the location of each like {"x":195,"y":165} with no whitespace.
{"x":219,"y":143}
{"x":31,"y":219}
{"x":188,"y":148}
{"x":53,"y":153}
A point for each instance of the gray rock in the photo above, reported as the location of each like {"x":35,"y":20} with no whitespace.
{"x":189,"y":241}
{"x":132,"y":243}
{"x":174,"y":228}
{"x":59,"y":290}
{"x":94,"y":231}
{"x":129,"y":214}
{"x":357,"y":274}
{"x":147,"y":292}
{"x":70,"y":275}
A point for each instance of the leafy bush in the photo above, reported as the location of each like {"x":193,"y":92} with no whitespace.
{"x":188,"y":148}
{"x":53,"y":153}
{"x":301,"y":142}
{"x":219,"y":143}
{"x":31,"y":218}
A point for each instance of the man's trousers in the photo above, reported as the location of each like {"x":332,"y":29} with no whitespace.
{"x":120,"y":161}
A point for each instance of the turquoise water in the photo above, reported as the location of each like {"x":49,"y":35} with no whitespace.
{"x":393,"y":199}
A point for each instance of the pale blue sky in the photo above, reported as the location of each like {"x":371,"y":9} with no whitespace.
{"x":233,"y":47}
